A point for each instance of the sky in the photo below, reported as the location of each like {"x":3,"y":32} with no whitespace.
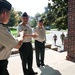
{"x":30,"y":6}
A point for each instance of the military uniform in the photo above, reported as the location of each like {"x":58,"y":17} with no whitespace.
{"x":7,"y":42}
{"x":26,"y":51}
{"x":40,"y":45}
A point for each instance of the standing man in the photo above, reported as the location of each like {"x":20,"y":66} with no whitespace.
{"x":26,"y":50}
{"x":7,"y":42}
{"x":62,"y":36}
{"x":55,"y":39}
{"x":40,"y":43}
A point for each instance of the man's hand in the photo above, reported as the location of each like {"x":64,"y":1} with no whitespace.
{"x":19,"y":44}
{"x":35,"y":35}
{"x":20,"y":39}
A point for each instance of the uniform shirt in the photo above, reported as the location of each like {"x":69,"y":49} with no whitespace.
{"x":27,"y":30}
{"x":7,"y":42}
{"x":41,"y":34}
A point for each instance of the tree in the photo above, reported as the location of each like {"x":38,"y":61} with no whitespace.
{"x":56,"y":14}
{"x":33,"y":22}
{"x":14,"y":18}
{"x":48,"y":15}
{"x":37,"y":16}
{"x":60,"y":9}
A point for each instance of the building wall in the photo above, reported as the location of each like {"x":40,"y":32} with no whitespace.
{"x":71,"y":31}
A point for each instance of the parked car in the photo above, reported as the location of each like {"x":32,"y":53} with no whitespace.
{"x":47,"y":27}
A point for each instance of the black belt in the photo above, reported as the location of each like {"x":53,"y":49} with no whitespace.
{"x":3,"y":61}
{"x":27,"y":42}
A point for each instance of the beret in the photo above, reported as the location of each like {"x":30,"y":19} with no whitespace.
{"x":5,"y":5}
{"x":24,"y":14}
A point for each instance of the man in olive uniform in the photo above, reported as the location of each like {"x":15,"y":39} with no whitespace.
{"x":55,"y":39}
{"x":7,"y":42}
{"x":26,"y":50}
{"x":62,"y":36}
{"x":40,"y":43}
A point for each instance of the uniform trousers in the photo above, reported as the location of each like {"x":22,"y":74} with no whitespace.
{"x":3,"y":67}
{"x":40,"y":52}
{"x":26,"y":54}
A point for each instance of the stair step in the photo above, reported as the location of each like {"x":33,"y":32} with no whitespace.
{"x":48,"y":46}
{"x":54,"y":48}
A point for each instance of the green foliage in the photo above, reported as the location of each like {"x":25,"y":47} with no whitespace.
{"x":60,"y":8}
{"x":61,"y":23}
{"x":56,"y":14}
{"x":33,"y":22}
{"x":13,"y":31}
{"x":14,"y":18}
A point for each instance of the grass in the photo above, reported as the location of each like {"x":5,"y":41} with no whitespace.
{"x":14,"y":31}
{"x":47,"y":32}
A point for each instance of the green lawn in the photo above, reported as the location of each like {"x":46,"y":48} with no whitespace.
{"x":14,"y":31}
{"x":47,"y":32}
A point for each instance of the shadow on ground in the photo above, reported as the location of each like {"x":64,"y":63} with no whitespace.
{"x":47,"y":70}
{"x":58,"y":46}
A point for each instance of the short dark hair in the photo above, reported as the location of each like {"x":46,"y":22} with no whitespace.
{"x":5,"y":5}
{"x":24,"y":14}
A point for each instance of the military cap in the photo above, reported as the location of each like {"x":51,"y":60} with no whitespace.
{"x":24,"y":14}
{"x":40,"y":20}
{"x":5,"y":5}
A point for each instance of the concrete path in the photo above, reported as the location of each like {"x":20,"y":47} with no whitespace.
{"x":56,"y":64}
{"x":49,"y":39}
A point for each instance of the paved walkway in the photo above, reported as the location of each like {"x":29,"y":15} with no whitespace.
{"x":56,"y":64}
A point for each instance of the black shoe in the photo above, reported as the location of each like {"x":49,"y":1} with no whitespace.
{"x":38,"y":65}
{"x":42,"y":64}
{"x":33,"y":73}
